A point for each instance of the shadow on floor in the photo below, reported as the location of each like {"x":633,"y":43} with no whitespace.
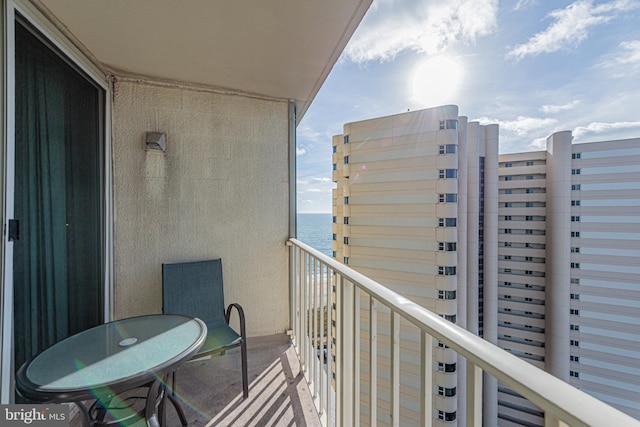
{"x":211,"y":390}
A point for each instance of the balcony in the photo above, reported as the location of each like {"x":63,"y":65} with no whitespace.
{"x":292,"y":385}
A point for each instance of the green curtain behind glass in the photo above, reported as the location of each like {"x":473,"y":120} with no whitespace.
{"x":57,"y":260}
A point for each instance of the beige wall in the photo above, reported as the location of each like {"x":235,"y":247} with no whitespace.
{"x":221,"y":189}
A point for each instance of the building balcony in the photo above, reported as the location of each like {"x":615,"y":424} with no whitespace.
{"x":293,"y":384}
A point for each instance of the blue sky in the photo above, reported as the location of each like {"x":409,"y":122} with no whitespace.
{"x":532,"y":66}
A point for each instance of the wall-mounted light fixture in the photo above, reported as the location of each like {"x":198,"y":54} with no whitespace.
{"x":156,"y":141}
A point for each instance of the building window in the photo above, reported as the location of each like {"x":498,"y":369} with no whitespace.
{"x":447,"y":246}
{"x":446,"y":416}
{"x":575,"y":187}
{"x":528,"y":231}
{"x":346,"y":220}
{"x":507,"y":217}
{"x":507,"y":257}
{"x":575,"y":281}
{"x":346,"y":139}
{"x":575,"y":203}
{"x":446,"y":367}
{"x":335,"y":219}
{"x":346,"y":200}
{"x":448,"y":124}
{"x":574,"y":312}
{"x":528,"y":218}
{"x":575,"y":171}
{"x":528,"y":272}
{"x":575,"y":250}
{"x":574,"y":374}
{"x":575,"y":265}
{"x":528,"y":258}
{"x":335,"y":149}
{"x":508,"y":191}
{"x":529,"y":163}
{"x":575,"y":218}
{"x":508,"y":165}
{"x":529,"y":177}
{"x":574,"y":343}
{"x":575,"y":234}
{"x":345,"y":260}
{"x":507,"y":205}
{"x":346,"y":160}
{"x":576,"y":155}
{"x":450,"y":317}
{"x":345,"y":240}
{"x":508,"y":178}
{"x":447,"y":222}
{"x":507,"y":244}
{"x":575,"y":328}
{"x":575,"y":296}
{"x":507,"y":231}
{"x":447,"y":149}
{"x":335,"y":167}
{"x":447,"y":294}
{"x":574,"y":358}
{"x":335,"y":236}
{"x":447,"y":392}
{"x":448,"y":198}
{"x":528,"y":190}
{"x":446,"y":271}
{"x":528,"y":204}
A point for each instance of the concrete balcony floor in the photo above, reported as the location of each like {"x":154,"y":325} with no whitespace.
{"x":211,"y":390}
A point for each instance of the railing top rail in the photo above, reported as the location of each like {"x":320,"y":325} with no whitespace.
{"x":551,"y":394}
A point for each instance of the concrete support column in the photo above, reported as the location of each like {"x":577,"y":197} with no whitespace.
{"x":490,"y":406}
{"x":558,"y":255}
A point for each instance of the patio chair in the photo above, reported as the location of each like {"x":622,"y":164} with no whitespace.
{"x":195,"y":289}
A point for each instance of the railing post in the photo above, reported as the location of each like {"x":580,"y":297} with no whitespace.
{"x":304,"y":263}
{"x":345,"y":375}
{"x":395,"y":369}
{"x":474,"y":395}
{"x":426,"y":368}
{"x":373,"y":361}
{"x":552,"y":421}
{"x":356,"y":356}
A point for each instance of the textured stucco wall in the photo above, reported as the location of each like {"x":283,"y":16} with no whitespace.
{"x":219,"y":190}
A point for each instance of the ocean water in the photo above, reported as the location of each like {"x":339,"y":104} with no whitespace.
{"x":315,"y":231}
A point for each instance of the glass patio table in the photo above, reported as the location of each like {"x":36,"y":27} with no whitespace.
{"x":98,"y":363}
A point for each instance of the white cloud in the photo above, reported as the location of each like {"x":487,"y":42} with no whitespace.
{"x":570,"y":26}
{"x":552,"y":109}
{"x":300,"y":151}
{"x":323,"y":179}
{"x":524,"y":4}
{"x":394,"y":26}
{"x":629,"y":54}
{"x":601,"y":127}
{"x":521,"y":125}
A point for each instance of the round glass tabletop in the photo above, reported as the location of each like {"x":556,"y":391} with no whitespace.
{"x":111,"y":357}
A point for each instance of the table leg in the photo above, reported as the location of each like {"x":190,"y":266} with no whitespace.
{"x":86,"y":419}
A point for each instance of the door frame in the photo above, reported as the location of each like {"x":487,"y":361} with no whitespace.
{"x":64,"y":43}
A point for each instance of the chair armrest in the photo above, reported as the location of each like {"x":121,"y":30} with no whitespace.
{"x":240,"y":311}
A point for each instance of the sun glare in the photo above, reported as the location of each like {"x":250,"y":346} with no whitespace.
{"x":436,"y":81}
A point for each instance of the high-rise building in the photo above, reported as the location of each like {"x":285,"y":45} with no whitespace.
{"x":407,"y":186}
{"x":569,"y":278}
{"x":536,"y":252}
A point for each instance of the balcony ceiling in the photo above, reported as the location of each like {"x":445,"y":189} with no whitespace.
{"x":276,"y":48}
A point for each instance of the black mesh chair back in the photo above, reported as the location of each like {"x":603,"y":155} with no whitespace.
{"x":196,"y":289}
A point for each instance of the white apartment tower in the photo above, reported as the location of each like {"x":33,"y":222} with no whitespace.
{"x":538,"y":252}
{"x":568,"y":270}
{"x":407,"y":186}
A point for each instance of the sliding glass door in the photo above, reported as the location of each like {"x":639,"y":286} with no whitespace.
{"x":58,"y":233}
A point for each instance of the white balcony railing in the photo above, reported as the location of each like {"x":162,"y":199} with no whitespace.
{"x":319,"y":283}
